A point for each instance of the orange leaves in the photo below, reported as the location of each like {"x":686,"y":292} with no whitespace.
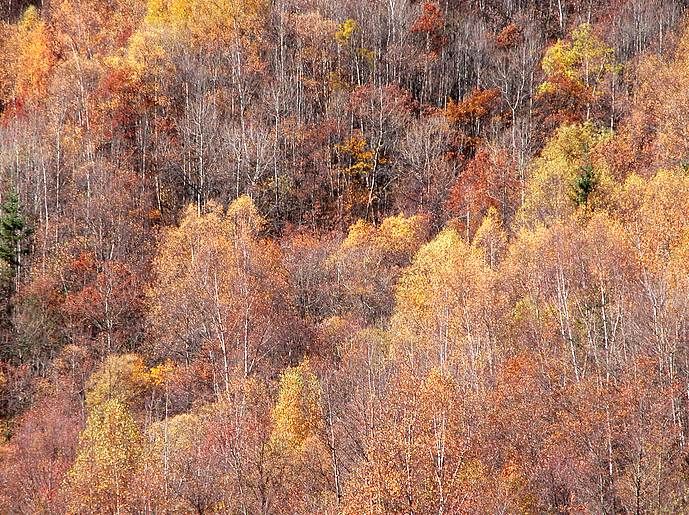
{"x":31,"y":52}
{"x":163,"y":373}
{"x":361,"y":156}
{"x":417,"y":457}
{"x":36,"y":55}
{"x":430,"y":19}
{"x":468,"y":116}
{"x":517,"y":362}
{"x":93,"y":30}
{"x":510,"y":36}
{"x":476,"y":106}
{"x":656,"y":131}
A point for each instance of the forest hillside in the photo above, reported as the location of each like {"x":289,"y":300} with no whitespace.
{"x":344,"y":256}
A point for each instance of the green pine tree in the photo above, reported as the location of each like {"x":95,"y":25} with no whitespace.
{"x":13,"y":232}
{"x":583,"y":185}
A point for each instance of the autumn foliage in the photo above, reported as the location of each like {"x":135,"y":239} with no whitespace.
{"x":344,"y":257}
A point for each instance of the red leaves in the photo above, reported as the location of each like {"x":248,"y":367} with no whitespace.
{"x":472,"y":189}
{"x":485,"y":182}
{"x":564,"y":103}
{"x":34,"y":468}
{"x":509,"y":37}
{"x":103,"y":301}
{"x":431,"y":23}
{"x":393,"y":101}
{"x":119,"y":101}
{"x":468,"y":116}
{"x":430,"y":20}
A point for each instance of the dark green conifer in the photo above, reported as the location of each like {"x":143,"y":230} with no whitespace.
{"x":13,"y":232}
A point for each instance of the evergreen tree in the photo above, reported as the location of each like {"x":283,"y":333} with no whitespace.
{"x":583,"y":185}
{"x":13,"y":231}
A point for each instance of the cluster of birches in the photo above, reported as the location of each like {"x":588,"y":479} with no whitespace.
{"x":344,"y":256}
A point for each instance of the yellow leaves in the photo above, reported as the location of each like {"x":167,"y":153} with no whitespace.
{"x":345,"y":30}
{"x":535,"y":251}
{"x":660,"y":110}
{"x":176,"y":434}
{"x":30,"y":19}
{"x":297,"y":413}
{"x":571,"y":152}
{"x":441,"y":301}
{"x":397,"y":235}
{"x":179,"y":11}
{"x":359,"y":233}
{"x":473,"y":471}
{"x":560,"y":58}
{"x":418,"y":453}
{"x":127,"y":379}
{"x":244,"y":217}
{"x":144,"y":53}
{"x":362,"y":156}
{"x":172,"y":12}
{"x":514,"y":486}
{"x":438,"y":394}
{"x":491,"y":238}
{"x":403,"y":235}
{"x":679,"y":265}
{"x":161,"y":374}
{"x":369,"y":259}
{"x":109,"y":451}
{"x":208,"y":22}
{"x":367,"y":54}
{"x":582,"y":59}
{"x":121,"y":377}
{"x":207,"y":241}
{"x":415,"y":285}
{"x":217,"y":285}
{"x":656,"y":212}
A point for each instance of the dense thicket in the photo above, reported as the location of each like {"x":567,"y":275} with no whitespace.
{"x":351,"y":256}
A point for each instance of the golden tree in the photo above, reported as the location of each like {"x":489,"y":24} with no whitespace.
{"x":219,"y":287}
{"x":108,"y":456}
